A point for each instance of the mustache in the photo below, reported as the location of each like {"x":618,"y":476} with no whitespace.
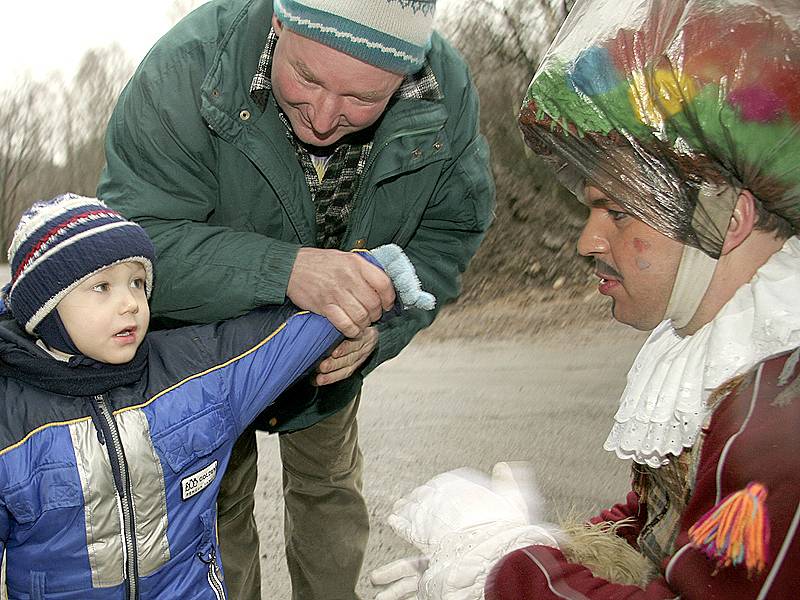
{"x":604,"y":268}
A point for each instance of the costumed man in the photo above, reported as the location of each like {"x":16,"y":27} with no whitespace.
{"x":678,"y":125}
{"x":254,"y":144}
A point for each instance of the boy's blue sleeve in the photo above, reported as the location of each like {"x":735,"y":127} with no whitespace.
{"x":273,"y":347}
{"x":257,"y":376}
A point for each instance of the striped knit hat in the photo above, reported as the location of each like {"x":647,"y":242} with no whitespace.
{"x":391,"y":34}
{"x":58,"y":244}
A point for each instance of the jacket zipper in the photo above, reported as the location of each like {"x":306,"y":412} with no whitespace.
{"x":119,"y":468}
{"x":372,"y":157}
{"x":214,"y":579}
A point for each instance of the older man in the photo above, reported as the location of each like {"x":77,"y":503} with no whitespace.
{"x":255,"y":144}
{"x":677,"y":124}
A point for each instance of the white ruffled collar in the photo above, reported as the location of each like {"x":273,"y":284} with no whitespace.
{"x":663,"y":405}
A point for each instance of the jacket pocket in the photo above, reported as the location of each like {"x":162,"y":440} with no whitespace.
{"x":196,"y":437}
{"x":50,"y":486}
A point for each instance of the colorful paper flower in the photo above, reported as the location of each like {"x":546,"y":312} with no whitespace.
{"x":659,"y":94}
{"x":593,"y":73}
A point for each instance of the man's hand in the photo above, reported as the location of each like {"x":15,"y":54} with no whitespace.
{"x":341,"y":286}
{"x":347,"y":357}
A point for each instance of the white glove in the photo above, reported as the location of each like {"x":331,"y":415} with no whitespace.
{"x":460,"y":565}
{"x":464,"y":498}
{"x":465,"y":521}
{"x":399,"y":580}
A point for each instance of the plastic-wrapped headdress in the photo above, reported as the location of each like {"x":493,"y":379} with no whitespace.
{"x":671,"y":107}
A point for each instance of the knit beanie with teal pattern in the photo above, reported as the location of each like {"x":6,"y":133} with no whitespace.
{"x":390,"y":34}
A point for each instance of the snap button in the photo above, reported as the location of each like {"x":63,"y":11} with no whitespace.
{"x":361,"y":244}
{"x":416,"y":153}
{"x":244,"y":114}
{"x":437,"y":145}
{"x":273,"y":421}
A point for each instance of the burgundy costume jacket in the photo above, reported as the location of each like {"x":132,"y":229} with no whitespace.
{"x":752,"y":441}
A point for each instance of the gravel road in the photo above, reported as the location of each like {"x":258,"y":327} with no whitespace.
{"x":446,"y":404}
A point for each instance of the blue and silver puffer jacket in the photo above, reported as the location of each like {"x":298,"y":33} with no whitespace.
{"x":112,"y":495}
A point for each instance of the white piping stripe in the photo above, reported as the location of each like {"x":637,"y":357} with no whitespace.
{"x":579,"y":596}
{"x":674,"y":560}
{"x":792,"y":528}
{"x":732,"y":439}
{"x":781,"y":555}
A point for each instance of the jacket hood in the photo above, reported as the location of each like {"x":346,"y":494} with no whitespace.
{"x":23,"y":360}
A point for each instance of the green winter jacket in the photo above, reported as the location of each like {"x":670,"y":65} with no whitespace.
{"x":217,"y":185}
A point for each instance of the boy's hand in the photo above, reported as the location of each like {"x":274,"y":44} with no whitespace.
{"x":347,"y":357}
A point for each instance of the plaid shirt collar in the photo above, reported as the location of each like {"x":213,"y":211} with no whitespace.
{"x":421,"y":85}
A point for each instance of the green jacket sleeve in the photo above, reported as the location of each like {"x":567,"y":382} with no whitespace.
{"x":454,"y":222}
{"x":160,"y":172}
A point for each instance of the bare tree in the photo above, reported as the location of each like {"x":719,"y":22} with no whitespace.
{"x":51,"y":135}
{"x":511,"y":32}
{"x":531,"y":242}
{"x":44,"y":151}
{"x":503,"y":43}
{"x":86,"y":109}
{"x":24,"y":148}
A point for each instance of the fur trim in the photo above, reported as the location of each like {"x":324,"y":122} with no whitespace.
{"x":599,"y":548}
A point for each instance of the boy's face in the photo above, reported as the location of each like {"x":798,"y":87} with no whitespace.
{"x":107,"y":315}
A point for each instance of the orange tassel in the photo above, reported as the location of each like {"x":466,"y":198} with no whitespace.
{"x":736,"y":531}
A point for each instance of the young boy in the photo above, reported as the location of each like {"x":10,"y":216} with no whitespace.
{"x":113,"y":442}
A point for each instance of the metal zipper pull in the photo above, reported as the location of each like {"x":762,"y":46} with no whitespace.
{"x":214,"y":576}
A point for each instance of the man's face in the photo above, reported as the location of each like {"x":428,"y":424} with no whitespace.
{"x":636,"y":264}
{"x":107,"y":315}
{"x":326,"y":94}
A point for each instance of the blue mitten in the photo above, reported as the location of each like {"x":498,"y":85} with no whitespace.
{"x":404,"y":277}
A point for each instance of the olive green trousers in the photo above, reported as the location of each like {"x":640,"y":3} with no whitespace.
{"x":326,"y":524}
